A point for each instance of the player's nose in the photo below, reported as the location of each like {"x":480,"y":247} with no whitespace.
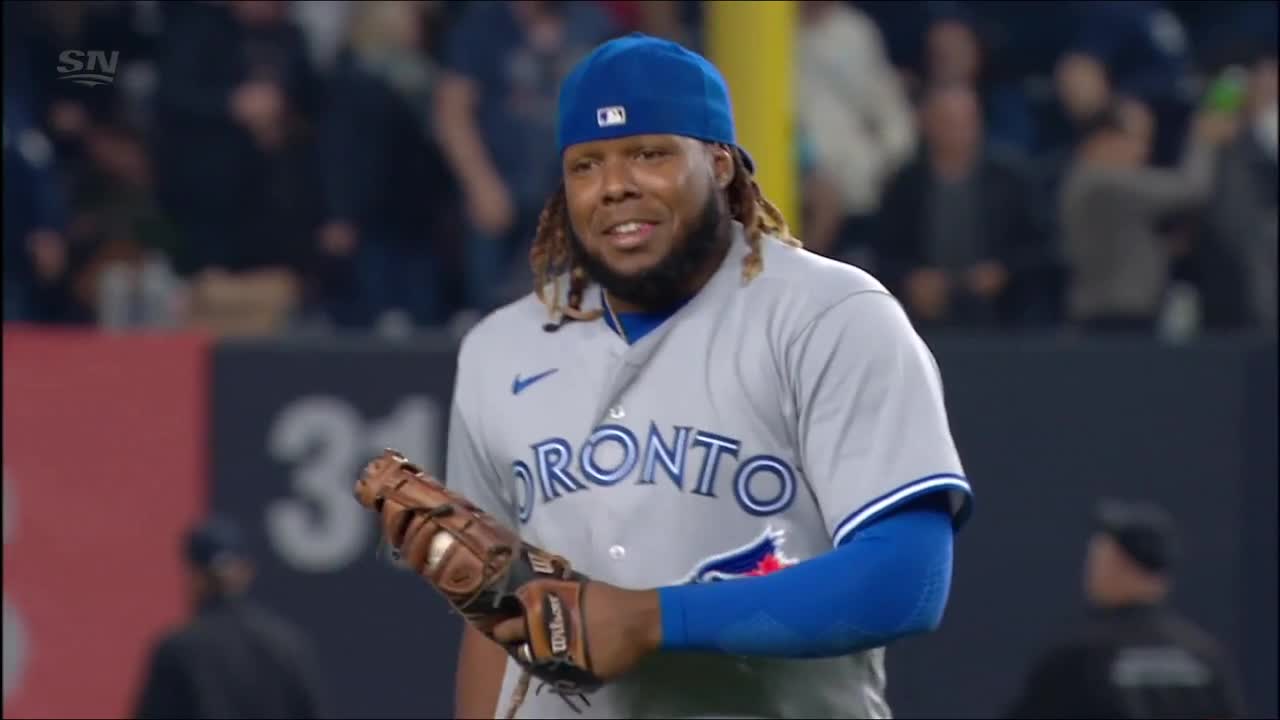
{"x":617,"y":184}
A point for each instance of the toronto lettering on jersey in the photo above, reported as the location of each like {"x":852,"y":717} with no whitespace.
{"x":687,"y":457}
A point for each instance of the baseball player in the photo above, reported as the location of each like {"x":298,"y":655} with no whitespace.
{"x":743,"y":444}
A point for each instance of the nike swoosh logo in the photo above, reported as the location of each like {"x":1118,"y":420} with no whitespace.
{"x":520,"y":386}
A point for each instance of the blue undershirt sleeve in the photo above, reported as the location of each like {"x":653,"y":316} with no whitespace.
{"x":890,"y":579}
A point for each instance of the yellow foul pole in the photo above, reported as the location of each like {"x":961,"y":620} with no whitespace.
{"x":752,"y":44}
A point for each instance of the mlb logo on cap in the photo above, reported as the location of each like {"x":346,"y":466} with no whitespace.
{"x":610,"y":116}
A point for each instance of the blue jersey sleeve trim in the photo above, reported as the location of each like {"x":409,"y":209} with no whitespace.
{"x":905,"y":493}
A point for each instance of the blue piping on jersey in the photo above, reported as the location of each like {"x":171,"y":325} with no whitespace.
{"x":900,"y":495}
{"x":890,"y":580}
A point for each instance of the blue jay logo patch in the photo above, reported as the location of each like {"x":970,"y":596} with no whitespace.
{"x":761,"y":556}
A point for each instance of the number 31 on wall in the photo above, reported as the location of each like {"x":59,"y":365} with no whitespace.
{"x":319,"y":528}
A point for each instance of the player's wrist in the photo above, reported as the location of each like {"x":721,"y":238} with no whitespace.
{"x":652,"y":625}
{"x":645,"y":620}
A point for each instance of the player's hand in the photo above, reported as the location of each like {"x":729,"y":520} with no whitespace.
{"x":928,"y":291}
{"x":623,"y":626}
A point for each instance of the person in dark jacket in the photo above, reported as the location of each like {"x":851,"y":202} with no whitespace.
{"x":391,"y":231}
{"x":957,"y":236}
{"x":233,"y":141}
{"x":233,"y":659}
{"x":1136,"y":657}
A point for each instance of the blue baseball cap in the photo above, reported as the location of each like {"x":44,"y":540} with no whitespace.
{"x":643,"y":85}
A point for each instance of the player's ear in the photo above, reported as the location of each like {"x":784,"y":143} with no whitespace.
{"x":722,"y":166}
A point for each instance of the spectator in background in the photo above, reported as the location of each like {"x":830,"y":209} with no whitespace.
{"x":899,"y":23}
{"x":233,"y":658}
{"x":856,"y":121}
{"x":127,"y":278}
{"x":1224,"y":34}
{"x":495,"y":119}
{"x":1242,"y":217}
{"x":1111,"y":201}
{"x":1136,"y":658}
{"x":42,"y":31}
{"x":37,"y":258}
{"x":954,"y":53}
{"x":324,"y":24}
{"x":386,"y":246}
{"x":1128,"y":49}
{"x":956,"y":237}
{"x":674,"y":20}
{"x":235,"y":162}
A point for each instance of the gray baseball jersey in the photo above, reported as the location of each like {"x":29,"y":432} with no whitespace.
{"x":755,"y":428}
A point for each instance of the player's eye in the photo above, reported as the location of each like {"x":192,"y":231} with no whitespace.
{"x":651,"y":154}
{"x":579,"y":166}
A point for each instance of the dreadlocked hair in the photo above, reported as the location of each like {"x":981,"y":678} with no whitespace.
{"x":551,"y":256}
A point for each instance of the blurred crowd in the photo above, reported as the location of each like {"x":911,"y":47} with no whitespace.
{"x":256,"y":168}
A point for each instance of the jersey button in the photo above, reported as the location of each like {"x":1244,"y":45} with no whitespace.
{"x":617,"y":552}
{"x":617,"y":413}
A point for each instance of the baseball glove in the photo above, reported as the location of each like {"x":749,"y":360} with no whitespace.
{"x":484,"y":570}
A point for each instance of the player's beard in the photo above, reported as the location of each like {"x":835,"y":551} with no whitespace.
{"x":667,"y":283}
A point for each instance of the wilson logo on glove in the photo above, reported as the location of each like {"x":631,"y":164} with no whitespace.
{"x":559,"y":635}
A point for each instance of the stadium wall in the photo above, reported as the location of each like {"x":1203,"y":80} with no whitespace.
{"x":280,"y":428}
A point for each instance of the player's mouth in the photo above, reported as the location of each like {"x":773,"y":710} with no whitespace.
{"x":629,"y":235}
